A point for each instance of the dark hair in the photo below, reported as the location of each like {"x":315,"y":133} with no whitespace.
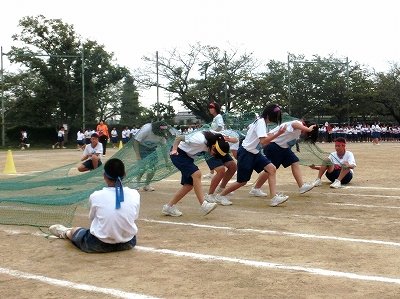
{"x":160,"y":128}
{"x":273,"y":112}
{"x":212,"y":139}
{"x":340,"y":139}
{"x":114,"y":168}
{"x":313,"y":135}
{"x":216,"y":106}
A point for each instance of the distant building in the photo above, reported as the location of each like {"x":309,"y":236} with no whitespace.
{"x":186,"y":118}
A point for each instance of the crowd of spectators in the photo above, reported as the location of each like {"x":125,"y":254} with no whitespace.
{"x":374,"y":133}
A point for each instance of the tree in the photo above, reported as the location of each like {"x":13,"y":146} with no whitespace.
{"x":51,"y":53}
{"x":202,"y":74}
{"x":130,"y":108}
{"x":387,"y":96}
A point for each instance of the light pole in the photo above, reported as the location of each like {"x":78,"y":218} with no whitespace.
{"x":3,"y":130}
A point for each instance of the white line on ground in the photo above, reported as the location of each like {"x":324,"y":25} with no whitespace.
{"x":274,"y":232}
{"x":362,"y":206}
{"x":260,"y":264}
{"x":362,"y":195}
{"x":370,"y":187}
{"x":73,"y":285}
{"x":205,"y":257}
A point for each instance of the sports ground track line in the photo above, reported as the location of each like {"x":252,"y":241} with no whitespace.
{"x":278,"y":233}
{"x":73,"y":285}
{"x":208,"y":257}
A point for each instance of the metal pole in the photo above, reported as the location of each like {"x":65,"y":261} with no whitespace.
{"x":288,"y":67}
{"x":347,"y":91}
{"x":226,"y":83}
{"x":158,"y":95}
{"x":3,"y":130}
{"x":83,"y":89}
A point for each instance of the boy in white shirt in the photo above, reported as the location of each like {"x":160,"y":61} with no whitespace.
{"x":339,"y":166}
{"x":91,"y":154}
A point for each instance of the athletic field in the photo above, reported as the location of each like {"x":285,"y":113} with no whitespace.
{"x":327,"y":243}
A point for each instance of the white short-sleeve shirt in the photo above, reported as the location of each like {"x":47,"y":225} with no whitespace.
{"x":109,"y":224}
{"x":256,"y":130}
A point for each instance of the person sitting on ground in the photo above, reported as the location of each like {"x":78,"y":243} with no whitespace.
{"x":338,"y":167}
{"x":113,"y":212}
{"x":91,"y":154}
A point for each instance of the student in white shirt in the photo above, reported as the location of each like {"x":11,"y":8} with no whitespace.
{"x":338,"y":167}
{"x":250,"y":157}
{"x":113,"y":212}
{"x":279,"y":151}
{"x":182,"y":155}
{"x":91,"y":154}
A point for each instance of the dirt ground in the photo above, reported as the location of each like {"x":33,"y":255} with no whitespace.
{"x":327,"y":243}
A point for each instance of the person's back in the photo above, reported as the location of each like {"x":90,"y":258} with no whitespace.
{"x":113,"y":225}
{"x":113,"y":211}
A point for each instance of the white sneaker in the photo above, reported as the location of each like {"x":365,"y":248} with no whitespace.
{"x":52,"y":146}
{"x":148,"y":188}
{"x":207,"y":207}
{"x":317,"y":183}
{"x":208,"y":176}
{"x":210,"y":197}
{"x":305,"y":188}
{"x":278,"y":199}
{"x":171,"y":211}
{"x":257,"y":192}
{"x":59,"y":230}
{"x":222,"y":200}
{"x":336,"y":184}
{"x":220,"y":190}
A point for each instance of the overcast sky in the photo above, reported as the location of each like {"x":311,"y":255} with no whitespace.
{"x":365,"y":31}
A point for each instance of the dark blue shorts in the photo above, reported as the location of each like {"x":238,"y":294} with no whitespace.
{"x":89,"y":165}
{"x":332,"y":176}
{"x":279,"y":155}
{"x":114,"y":139}
{"x":247,"y":162}
{"x":186,"y":166}
{"x":86,"y":242}
{"x":213,"y":162}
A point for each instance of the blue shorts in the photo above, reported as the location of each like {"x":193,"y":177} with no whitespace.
{"x":332,"y":176}
{"x":86,"y":242}
{"x":213,"y":162}
{"x":247,"y":162}
{"x":89,"y":164}
{"x":186,"y":166}
{"x":279,"y":155}
{"x":114,"y":139}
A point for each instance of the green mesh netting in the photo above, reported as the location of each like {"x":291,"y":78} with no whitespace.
{"x":45,"y":198}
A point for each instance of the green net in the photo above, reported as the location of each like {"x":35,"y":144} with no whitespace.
{"x":42,"y":199}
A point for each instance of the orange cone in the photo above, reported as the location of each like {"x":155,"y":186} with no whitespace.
{"x":9,"y":168}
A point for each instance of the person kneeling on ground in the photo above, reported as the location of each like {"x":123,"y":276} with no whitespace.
{"x":91,"y":154}
{"x":338,"y":167}
{"x":113,"y":211}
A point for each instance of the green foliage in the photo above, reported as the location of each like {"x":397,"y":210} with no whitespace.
{"x":49,"y":86}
